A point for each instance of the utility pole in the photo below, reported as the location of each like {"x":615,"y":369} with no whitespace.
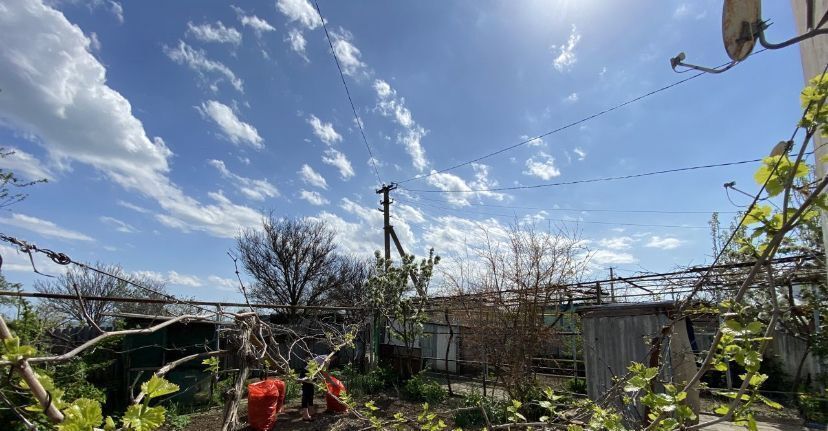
{"x":387,"y":229}
{"x":612,"y":285}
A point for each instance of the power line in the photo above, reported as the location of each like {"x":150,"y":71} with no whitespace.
{"x":569,"y":125}
{"x":604,"y":210}
{"x":512,"y":216}
{"x":63,"y":259}
{"x":592,"y":180}
{"x":348,"y":93}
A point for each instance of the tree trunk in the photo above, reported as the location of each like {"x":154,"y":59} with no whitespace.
{"x":234,"y":395}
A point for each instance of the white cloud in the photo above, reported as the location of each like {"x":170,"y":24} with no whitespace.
{"x":605,"y":257}
{"x":371,"y":219}
{"x":686,"y":10}
{"x":664,"y":243}
{"x":55,"y":89}
{"x":314,"y":198}
{"x":119,"y":225}
{"x":338,"y":160}
{"x":581,"y":153}
{"x":541,"y":165}
{"x":214,"y":33}
{"x":297,"y":42}
{"x":534,"y":142}
{"x":257,"y":190}
{"x":389,"y":105}
{"x":94,"y":42}
{"x":566,"y":56}
{"x":617,"y":243}
{"x":352,"y":237}
{"x":196,"y":60}
{"x":117,"y":10}
{"x":43,"y":227}
{"x":309,"y":176}
{"x":348,"y":54}
{"x":258,"y":25}
{"x":134,"y":207}
{"x":324,"y":131}
{"x":456,"y":235}
{"x":301,"y":11}
{"x":223,"y":283}
{"x":234,"y":129}
{"x":24,"y":164}
{"x":410,"y":214}
{"x":572,"y":98}
{"x":171,"y":277}
{"x":446,"y":181}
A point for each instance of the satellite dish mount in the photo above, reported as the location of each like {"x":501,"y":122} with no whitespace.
{"x":742,"y":26}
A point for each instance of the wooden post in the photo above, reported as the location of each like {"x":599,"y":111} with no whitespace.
{"x":234,"y":395}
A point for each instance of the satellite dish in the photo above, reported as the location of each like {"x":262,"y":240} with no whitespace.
{"x":742,"y":26}
{"x":738,"y":17}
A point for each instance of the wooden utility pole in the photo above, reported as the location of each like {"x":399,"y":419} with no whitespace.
{"x":386,"y":218}
{"x":387,"y":231}
{"x":612,"y":285}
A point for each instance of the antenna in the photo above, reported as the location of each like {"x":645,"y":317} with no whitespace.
{"x":742,"y":26}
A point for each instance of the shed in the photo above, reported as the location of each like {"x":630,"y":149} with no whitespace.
{"x":615,"y":335}
{"x":143,"y":354}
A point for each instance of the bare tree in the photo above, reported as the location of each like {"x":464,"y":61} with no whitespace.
{"x":508,"y":297}
{"x":353,"y":272}
{"x":293,"y":261}
{"x":87,"y":283}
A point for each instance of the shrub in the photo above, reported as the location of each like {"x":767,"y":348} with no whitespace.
{"x":814,"y":408}
{"x":495,"y":410}
{"x":576,"y":386}
{"x":369,"y":383}
{"x":292,"y":388}
{"x":419,"y":388}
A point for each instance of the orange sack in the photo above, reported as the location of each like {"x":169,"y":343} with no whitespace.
{"x":335,"y":388}
{"x":264,"y":399}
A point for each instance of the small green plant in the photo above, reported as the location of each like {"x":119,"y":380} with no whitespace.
{"x":495,"y":411}
{"x":814,"y":407}
{"x":370,"y":383}
{"x":176,"y":421}
{"x":419,"y":388}
{"x":576,"y":386}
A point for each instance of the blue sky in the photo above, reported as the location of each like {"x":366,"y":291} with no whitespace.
{"x":164,"y":127}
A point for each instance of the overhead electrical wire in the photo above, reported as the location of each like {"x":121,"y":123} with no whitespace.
{"x":603,"y":210}
{"x":348,"y":93}
{"x":567,"y":126}
{"x":591,"y":180}
{"x":534,"y":217}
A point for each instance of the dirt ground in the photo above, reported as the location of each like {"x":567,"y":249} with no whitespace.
{"x":291,"y":420}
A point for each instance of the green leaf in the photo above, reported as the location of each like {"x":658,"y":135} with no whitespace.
{"x":722,"y":410}
{"x":140,"y":417}
{"x":158,"y":386}
{"x":755,"y":327}
{"x":768,"y":402}
{"x":109,"y":424}
{"x":212,"y":364}
{"x":14,"y":352}
{"x":83,"y":415}
{"x":756,"y":379}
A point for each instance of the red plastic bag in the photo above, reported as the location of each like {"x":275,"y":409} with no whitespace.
{"x":335,"y":388}
{"x":264,"y":399}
